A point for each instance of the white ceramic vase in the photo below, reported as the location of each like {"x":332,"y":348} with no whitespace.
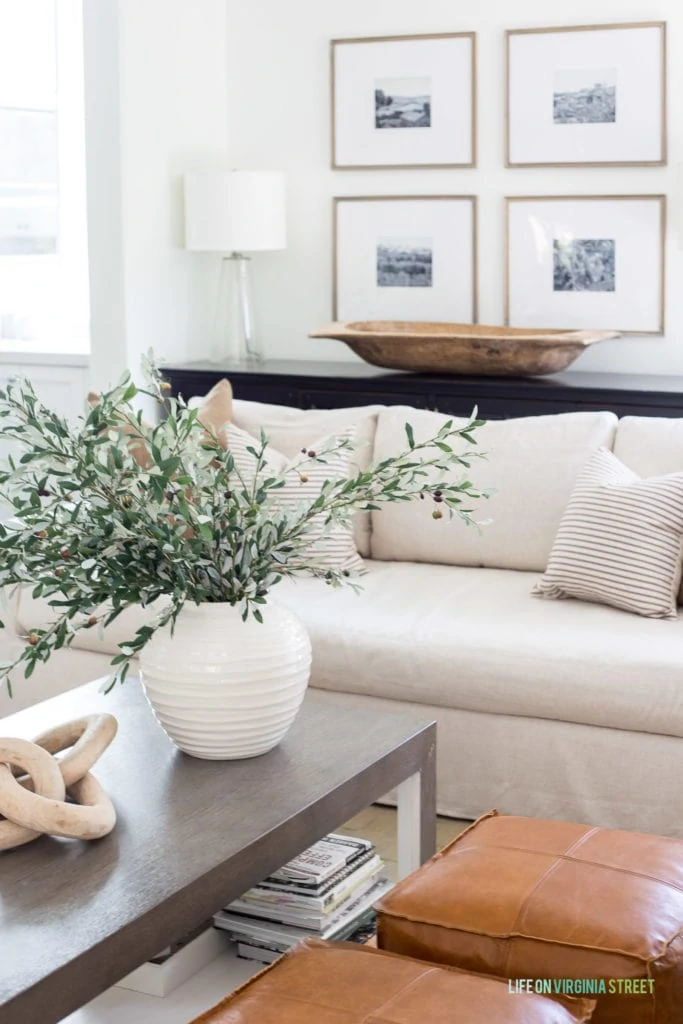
{"x":223,"y":688}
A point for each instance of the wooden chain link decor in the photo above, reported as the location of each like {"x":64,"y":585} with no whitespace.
{"x":40,"y":793}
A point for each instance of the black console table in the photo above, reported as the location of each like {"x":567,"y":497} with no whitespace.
{"x":322,"y":385}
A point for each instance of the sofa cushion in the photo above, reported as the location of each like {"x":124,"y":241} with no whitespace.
{"x":477,"y":640}
{"x":532,"y":464}
{"x":651,"y":446}
{"x":619,"y":541}
{"x":289,"y":430}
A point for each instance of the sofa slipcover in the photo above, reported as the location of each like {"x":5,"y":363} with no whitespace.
{"x":471,"y":639}
{"x":476,"y":639}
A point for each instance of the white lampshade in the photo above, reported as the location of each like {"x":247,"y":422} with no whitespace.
{"x":234,"y":211}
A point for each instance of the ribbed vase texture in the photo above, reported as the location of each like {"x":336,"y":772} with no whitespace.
{"x":223,"y":688}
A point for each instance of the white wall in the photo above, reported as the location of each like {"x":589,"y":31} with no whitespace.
{"x":156,"y":105}
{"x":279,"y":117}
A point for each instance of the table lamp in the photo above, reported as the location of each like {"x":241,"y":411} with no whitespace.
{"x":236,"y":212}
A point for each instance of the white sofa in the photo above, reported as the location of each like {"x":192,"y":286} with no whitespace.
{"x":546,"y":708}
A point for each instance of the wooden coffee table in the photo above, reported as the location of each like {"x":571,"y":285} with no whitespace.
{"x":192,"y":835}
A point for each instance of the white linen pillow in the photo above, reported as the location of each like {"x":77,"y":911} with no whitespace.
{"x":290,"y":429}
{"x":619,"y":541}
{"x":531,"y":465}
{"x":335,"y":545}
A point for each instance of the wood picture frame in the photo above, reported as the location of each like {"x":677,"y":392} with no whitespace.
{"x":543,"y":133}
{"x":359,"y":95}
{"x":654,"y":250}
{"x":467,"y":302}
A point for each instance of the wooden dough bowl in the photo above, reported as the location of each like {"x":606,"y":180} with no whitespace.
{"x":462,"y":348}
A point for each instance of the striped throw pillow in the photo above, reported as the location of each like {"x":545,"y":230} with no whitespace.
{"x":619,"y":540}
{"x":335,"y":545}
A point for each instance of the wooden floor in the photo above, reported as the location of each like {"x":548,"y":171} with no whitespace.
{"x":379,"y":824}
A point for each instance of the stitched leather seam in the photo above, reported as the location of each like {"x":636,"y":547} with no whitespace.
{"x":546,"y":874}
{"x":529,"y":937}
{"x":575,"y":860}
{"x":450,"y":845}
{"x":668,"y":943}
{"x":385,"y":1005}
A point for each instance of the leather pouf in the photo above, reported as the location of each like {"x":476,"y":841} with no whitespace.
{"x":595,"y":911}
{"x":341,"y":983}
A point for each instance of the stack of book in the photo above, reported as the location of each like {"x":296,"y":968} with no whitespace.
{"x":328,"y":891}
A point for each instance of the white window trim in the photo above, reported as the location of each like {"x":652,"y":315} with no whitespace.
{"x":72,"y":248}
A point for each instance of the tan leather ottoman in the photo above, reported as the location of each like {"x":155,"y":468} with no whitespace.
{"x":522,"y":898}
{"x":341,"y":983}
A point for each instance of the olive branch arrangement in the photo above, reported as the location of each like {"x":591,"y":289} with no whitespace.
{"x":94,"y":533}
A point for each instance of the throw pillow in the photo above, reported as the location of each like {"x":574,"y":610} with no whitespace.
{"x":333,"y":545}
{"x":290,"y":429}
{"x":619,"y":540}
{"x":136,"y":446}
{"x":215,"y":410}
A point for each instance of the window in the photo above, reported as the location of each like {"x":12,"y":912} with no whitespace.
{"x":43,"y":236}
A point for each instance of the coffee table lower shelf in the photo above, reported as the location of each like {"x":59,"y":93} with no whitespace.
{"x":206,"y":988}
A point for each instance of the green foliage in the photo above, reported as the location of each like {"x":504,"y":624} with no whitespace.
{"x":93,"y":533}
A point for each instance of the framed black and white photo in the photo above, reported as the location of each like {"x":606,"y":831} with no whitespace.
{"x":404,"y":101}
{"x":405,"y":258}
{"x":588,"y":95}
{"x":594,"y":262}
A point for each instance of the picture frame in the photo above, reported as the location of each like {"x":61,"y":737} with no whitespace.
{"x":405,"y":257}
{"x":586,"y":261}
{"x":586,"y":95}
{"x":404,"y":101}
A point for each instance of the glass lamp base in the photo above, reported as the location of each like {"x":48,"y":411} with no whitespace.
{"x":238,"y":343}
